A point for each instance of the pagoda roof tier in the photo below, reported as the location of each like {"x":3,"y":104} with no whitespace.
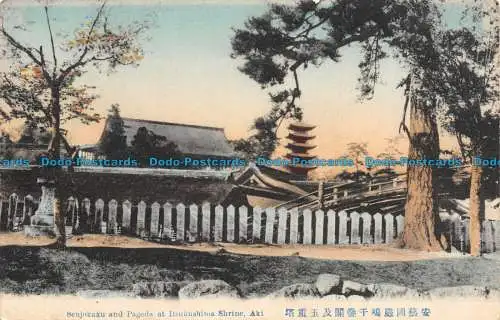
{"x":301,"y":126}
{"x":300,"y":135}
{"x":299,"y":145}
{"x":300,"y":155}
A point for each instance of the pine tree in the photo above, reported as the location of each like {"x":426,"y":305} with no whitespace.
{"x":113,"y":144}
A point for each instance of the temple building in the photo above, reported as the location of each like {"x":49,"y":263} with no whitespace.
{"x":197,"y":142}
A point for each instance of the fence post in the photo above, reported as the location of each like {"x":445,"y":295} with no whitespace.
{"x":257,"y":220}
{"x":13,"y":200}
{"x":343,"y":237}
{"x":1,"y":213}
{"x":219,"y":223}
{"x":389,"y":228}
{"x":377,"y":218}
{"x":330,"y":235}
{"x":193,"y":223}
{"x":205,"y":221}
{"x":86,"y":216}
{"x":400,"y":225}
{"x":496,"y":231}
{"x":141,"y":219}
{"x":367,"y":224}
{"x":243,"y":215}
{"x":320,"y":220}
{"x":155,"y":220}
{"x":270,"y":216}
{"x":69,"y":217}
{"x":99,"y":215}
{"x":231,"y":214}
{"x":282,"y":217}
{"x":113,"y":212}
{"x":307,"y":239}
{"x":77,"y":218}
{"x":181,"y":222}
{"x":127,"y":216}
{"x":167,"y":222}
{"x":294,"y":226}
{"x":488,"y":237}
{"x":28,"y":210}
{"x":355,"y":236}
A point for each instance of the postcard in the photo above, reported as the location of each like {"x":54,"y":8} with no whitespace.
{"x":249,"y":159}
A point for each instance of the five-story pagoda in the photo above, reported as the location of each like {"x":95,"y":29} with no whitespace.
{"x":299,"y":147}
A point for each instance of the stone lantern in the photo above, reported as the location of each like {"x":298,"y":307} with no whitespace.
{"x":42,"y":222}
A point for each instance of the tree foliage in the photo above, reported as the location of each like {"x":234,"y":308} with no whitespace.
{"x":113,"y":143}
{"x":42,"y":86}
{"x":146,"y":144}
{"x":262,"y":143}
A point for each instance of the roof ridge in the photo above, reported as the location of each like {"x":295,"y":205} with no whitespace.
{"x":173,"y":123}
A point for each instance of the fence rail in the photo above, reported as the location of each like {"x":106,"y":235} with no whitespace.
{"x":209,"y":223}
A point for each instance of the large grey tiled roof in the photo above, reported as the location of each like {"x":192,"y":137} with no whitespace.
{"x":190,"y":139}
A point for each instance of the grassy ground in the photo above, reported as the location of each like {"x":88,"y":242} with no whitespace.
{"x":36,"y":269}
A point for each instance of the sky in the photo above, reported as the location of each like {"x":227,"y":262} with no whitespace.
{"x":187,"y":75}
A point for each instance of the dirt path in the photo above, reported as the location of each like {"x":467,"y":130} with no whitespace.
{"x":326,"y":252}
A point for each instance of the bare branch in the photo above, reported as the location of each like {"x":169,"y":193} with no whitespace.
{"x":19,"y":46}
{"x":51,"y":41}
{"x":80,"y":62}
{"x":402,"y":124}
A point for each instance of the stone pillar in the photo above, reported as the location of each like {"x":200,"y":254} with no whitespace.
{"x":42,"y":222}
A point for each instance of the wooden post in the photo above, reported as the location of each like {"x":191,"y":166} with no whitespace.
{"x":320,"y":219}
{"x":99,"y":215}
{"x":167,"y":222}
{"x":230,"y":228}
{"x":355,"y":234}
{"x":389,"y":228}
{"x":193,"y":223}
{"x":307,"y":238}
{"x":154,"y":230}
{"x":205,"y":221}
{"x":330,"y":239}
{"x":141,"y":219}
{"x":400,"y":225}
{"x":113,"y":209}
{"x":181,"y":220}
{"x":219,"y":223}
{"x":243,"y":215}
{"x":257,"y":220}
{"x":294,"y":226}
{"x":282,"y":216}
{"x":377,"y":218}
{"x":127,"y":216}
{"x":321,"y":195}
{"x":343,"y":237}
{"x":367,"y":223}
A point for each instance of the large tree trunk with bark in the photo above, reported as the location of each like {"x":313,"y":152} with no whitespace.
{"x":476,"y":210}
{"x":56,"y":172}
{"x":421,"y":209}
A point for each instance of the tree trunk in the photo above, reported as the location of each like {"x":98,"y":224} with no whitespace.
{"x":476,"y":210}
{"x":421,"y":209}
{"x":55,"y":153}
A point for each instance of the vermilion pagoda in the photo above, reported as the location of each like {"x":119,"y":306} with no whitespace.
{"x":300,"y":144}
